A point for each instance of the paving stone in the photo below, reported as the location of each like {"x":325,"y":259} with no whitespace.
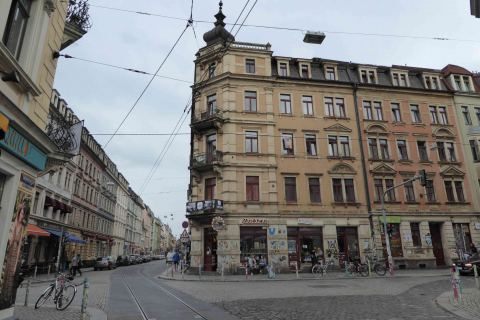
{"x":30,"y":313}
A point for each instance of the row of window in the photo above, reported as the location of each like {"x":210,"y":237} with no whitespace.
{"x":335,"y":107}
{"x":92,"y":196}
{"x":343,"y":190}
{"x":453,"y":191}
{"x":339,"y":146}
{"x":92,"y":222}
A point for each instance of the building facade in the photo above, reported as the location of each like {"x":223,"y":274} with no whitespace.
{"x":291,"y":156}
{"x":120,"y":223}
{"x":31,"y":32}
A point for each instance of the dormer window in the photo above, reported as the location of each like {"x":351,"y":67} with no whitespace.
{"x":400,"y":79}
{"x":330,"y":73}
{"x":462,"y":83}
{"x":368,"y":76}
{"x":431,"y":82}
{"x":283,"y":69}
{"x":466,"y":83}
{"x":304,"y":73}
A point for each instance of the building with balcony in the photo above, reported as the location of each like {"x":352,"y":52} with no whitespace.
{"x":290,"y":156}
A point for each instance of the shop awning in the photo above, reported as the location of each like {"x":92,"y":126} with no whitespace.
{"x":36,"y":231}
{"x":55,"y":232}
{"x":75,"y":239}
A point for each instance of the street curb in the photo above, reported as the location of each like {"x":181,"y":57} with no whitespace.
{"x":164,"y":277}
{"x":448,"y":307}
{"x":96,"y":314}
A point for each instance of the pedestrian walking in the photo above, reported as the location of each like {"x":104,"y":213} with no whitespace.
{"x":73,"y":265}
{"x":79,"y":264}
{"x":176,"y":259}
{"x":250,"y":264}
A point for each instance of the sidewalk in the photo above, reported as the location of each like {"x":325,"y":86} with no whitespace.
{"x":42,"y":278}
{"x":331,"y":275}
{"x":468,"y":307}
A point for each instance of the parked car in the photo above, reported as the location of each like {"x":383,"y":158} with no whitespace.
{"x":138,"y":258}
{"x":133,"y":259}
{"x":123,"y":260}
{"x":161,"y":256}
{"x":105,"y":263}
{"x":466,"y":267}
{"x":148,"y":258}
{"x":170,"y":257}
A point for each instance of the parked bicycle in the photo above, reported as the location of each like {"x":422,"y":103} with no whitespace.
{"x":356,"y":267}
{"x":321,"y":267}
{"x":62,"y":291}
{"x":377,"y":266}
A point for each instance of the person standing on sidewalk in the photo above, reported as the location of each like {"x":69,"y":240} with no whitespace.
{"x":79,"y":264}
{"x":74,"y":265}
{"x":176,"y":259}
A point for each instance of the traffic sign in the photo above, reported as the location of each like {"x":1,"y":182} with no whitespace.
{"x":184,"y":224}
{"x":184,"y":237}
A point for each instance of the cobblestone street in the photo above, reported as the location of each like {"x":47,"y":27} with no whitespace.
{"x":50,"y":313}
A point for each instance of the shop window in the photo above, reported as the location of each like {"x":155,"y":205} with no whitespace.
{"x":393,"y":231}
{"x":252,"y":188}
{"x":302,"y":243}
{"x":347,"y":239}
{"x":463,"y":238}
{"x":253,"y":242}
{"x":416,"y":238}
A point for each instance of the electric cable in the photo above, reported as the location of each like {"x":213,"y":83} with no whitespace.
{"x":437,"y":38}
{"x":67,"y":56}
{"x":146,"y":87}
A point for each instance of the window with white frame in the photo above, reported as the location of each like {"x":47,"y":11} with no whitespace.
{"x":381,"y":185}
{"x":330,"y":73}
{"x":438,"y":115}
{"x":372,"y":111}
{"x":466,"y":83}
{"x":402,"y":149}
{"x":422,"y":151}
{"x":442,"y":115}
{"x":432,"y":82}
{"x":368,"y":76}
{"x":285,"y":104}
{"x":466,"y":116}
{"x":454,"y":191}
{"x":339,"y":146}
{"x":16,"y":26}
{"x":250,"y":101}
{"x":283,"y":69}
{"x":400,"y":79}
{"x":307,"y":105}
{"x":446,"y":151}
{"x":304,"y":71}
{"x":415,"y":113}
{"x":287,"y":144}
{"x":378,"y":149}
{"x":474,"y":149}
{"x":335,"y":107}
{"x":409,"y":191}
{"x":311,"y":144}
{"x":343,"y":190}
{"x":396,"y":114}
{"x":211,"y":70}
{"x":251,"y":141}
{"x":250,"y":66}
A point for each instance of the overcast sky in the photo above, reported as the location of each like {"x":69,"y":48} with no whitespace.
{"x":102,"y":95}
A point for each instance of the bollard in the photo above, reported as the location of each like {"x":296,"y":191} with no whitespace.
{"x":172,"y":271}
{"x":35,"y":272}
{"x":199,"y":272}
{"x":83,"y":312}
{"x":223,"y":270}
{"x":246,"y":271}
{"x":26,"y":293}
{"x":475,"y":273}
{"x":369,"y":268}
{"x":182,"y":273}
{"x":296,"y":268}
{"x":48,"y":271}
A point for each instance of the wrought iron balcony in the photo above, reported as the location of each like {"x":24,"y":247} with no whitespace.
{"x":207,"y":120}
{"x":206,"y":161}
{"x":204,"y":207}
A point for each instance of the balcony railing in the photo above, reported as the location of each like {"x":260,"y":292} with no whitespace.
{"x":208,"y":120}
{"x":249,"y":45}
{"x":205,"y":161}
{"x":204,"y":207}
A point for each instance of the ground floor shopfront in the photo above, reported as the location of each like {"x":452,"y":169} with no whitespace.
{"x":287,"y":243}
{"x":421,"y":241}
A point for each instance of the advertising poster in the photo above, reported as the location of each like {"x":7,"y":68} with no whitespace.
{"x":10,"y":278}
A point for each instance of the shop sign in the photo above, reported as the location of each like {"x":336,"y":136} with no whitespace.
{"x":218,"y":223}
{"x":19,"y":146}
{"x":477,"y":225}
{"x":305,"y":221}
{"x":253,"y":221}
{"x":391,"y":219}
{"x":27,"y":181}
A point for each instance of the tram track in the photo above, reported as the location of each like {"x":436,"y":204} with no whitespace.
{"x":136,"y":298}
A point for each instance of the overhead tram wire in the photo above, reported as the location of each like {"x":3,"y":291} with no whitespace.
{"x":67,"y":56}
{"x":146,"y":87}
{"x":438,"y":38}
{"x":170,"y":141}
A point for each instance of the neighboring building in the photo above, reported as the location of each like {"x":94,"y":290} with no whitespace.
{"x":147,"y":223}
{"x":31,"y":31}
{"x":120,"y":222}
{"x":133,"y":229}
{"x":290,"y":155}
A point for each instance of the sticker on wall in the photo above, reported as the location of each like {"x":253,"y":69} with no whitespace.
{"x":271,"y":231}
{"x":428,"y":239}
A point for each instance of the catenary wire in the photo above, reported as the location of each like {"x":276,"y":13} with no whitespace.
{"x":188,"y":105}
{"x":67,"y":56}
{"x":438,"y":38}
{"x":146,"y":87}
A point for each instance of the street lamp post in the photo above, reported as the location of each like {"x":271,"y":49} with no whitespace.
{"x":422,"y":177}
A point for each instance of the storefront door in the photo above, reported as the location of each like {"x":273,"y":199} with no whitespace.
{"x":210,"y":250}
{"x":347,"y":238}
{"x":436,"y":235}
{"x":463,"y":238}
{"x":302,"y":242}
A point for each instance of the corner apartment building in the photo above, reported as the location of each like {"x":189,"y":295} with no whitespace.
{"x":286,"y":158}
{"x":31,"y":31}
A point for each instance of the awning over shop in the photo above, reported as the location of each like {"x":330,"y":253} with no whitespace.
{"x":75,"y":239}
{"x":55,"y":232}
{"x":36,"y":231}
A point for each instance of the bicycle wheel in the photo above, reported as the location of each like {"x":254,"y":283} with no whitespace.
{"x":363,"y":270}
{"x":44,"y":296}
{"x":65,"y":297}
{"x":317,"y":270}
{"x":380,"y":270}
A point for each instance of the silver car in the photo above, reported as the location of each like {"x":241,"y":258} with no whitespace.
{"x":105,"y":263}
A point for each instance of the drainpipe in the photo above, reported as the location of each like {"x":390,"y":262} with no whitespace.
{"x":362,"y":156}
